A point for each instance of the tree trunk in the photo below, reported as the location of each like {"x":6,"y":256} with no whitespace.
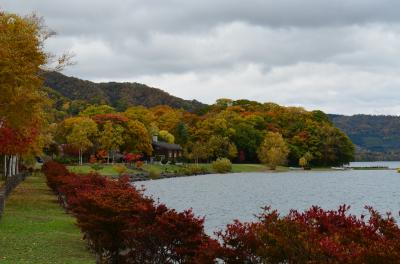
{"x":17,"y":164}
{"x":14,"y":164}
{"x":5,"y":167}
{"x":10,"y":166}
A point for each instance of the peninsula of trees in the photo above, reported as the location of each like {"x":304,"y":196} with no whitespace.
{"x":227,"y":129}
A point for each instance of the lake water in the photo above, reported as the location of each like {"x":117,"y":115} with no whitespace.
{"x":221,"y":198}
{"x":390,"y":164}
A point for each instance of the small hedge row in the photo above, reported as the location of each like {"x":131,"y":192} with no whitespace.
{"x":124,"y":226}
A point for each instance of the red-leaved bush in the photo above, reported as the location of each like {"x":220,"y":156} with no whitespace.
{"x":55,"y":173}
{"x":124,"y":226}
{"x":314,"y":236}
{"x":131,"y":157}
{"x":169,"y":237}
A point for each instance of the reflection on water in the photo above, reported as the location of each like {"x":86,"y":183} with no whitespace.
{"x":223,"y":198}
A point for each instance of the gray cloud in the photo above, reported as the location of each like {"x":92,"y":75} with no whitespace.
{"x":338,"y":56}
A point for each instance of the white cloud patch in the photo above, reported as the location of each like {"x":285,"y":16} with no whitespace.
{"x":338,"y":56}
{"x":330,"y":87}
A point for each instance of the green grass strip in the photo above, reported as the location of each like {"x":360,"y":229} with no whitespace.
{"x":35,"y":229}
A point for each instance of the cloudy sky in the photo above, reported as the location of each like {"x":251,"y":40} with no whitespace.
{"x":339,"y":56}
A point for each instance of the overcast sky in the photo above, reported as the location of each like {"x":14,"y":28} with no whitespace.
{"x":339,"y":56}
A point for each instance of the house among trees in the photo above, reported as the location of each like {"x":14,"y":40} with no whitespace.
{"x":163,"y":150}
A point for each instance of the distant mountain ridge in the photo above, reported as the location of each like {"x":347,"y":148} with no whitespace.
{"x":377,"y":137}
{"x":119,"y":95}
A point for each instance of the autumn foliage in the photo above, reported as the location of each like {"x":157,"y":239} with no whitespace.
{"x":132,"y":157}
{"x":13,"y":141}
{"x":313,"y":236}
{"x":124,"y":226}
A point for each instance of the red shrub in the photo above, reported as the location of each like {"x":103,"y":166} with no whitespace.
{"x":241,"y":243}
{"x":104,"y":214}
{"x":54,"y":172}
{"x":124,"y":226}
{"x":166,"y":236}
{"x":315,"y":236}
{"x":131,"y":157}
{"x":73,"y":184}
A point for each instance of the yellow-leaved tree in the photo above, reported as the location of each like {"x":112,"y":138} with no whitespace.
{"x":273,"y":150}
{"x":22,"y":58}
{"x":21,"y":53}
{"x":111,"y":139}
{"x":164,"y":135}
{"x":80,"y":135}
{"x":137,"y":138}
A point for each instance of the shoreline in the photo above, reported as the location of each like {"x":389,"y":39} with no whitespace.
{"x":136,"y":178}
{"x":172,"y":171}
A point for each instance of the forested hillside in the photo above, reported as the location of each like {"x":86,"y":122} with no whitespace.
{"x":118,"y":95}
{"x":233,"y":129}
{"x":376,"y":137}
{"x":227,"y":129}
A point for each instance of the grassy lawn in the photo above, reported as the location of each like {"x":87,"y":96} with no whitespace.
{"x":236,"y":167}
{"x":208,"y":166}
{"x":107,"y":170}
{"x":35,"y":229}
{"x":161,"y":168}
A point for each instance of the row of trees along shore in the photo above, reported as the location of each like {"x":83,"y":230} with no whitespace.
{"x":242,"y":131}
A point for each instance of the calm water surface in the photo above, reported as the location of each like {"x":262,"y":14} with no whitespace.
{"x":389,"y":164}
{"x":223,"y":198}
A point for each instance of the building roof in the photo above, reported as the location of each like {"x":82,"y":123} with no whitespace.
{"x":165,"y":145}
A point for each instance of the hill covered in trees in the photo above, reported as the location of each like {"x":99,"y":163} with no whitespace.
{"x":377,"y":137}
{"x":118,"y":95}
{"x":226,"y":129}
{"x":231,"y":129}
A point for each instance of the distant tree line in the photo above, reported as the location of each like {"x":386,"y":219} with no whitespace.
{"x":242,"y":131}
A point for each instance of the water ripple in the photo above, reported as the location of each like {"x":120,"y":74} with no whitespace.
{"x":223,"y":198}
